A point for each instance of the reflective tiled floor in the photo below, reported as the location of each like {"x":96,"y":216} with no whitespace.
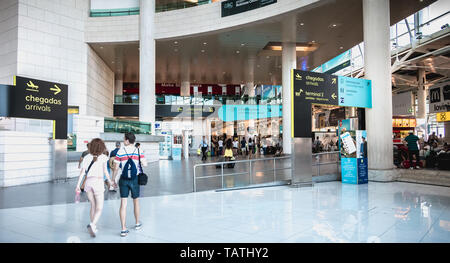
{"x":165,"y":178}
{"x":326,"y":212}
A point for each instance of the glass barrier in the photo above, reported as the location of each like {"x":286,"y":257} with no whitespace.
{"x":123,"y":126}
{"x":159,"y":8}
{"x":114,"y":12}
{"x":203,"y":100}
{"x":180,"y":5}
{"x":71,"y":142}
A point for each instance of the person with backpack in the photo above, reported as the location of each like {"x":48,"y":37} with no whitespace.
{"x":93,"y":168}
{"x":130,"y":159}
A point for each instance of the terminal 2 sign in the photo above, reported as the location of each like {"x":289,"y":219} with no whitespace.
{"x":319,"y":88}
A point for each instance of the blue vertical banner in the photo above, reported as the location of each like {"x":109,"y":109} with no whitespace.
{"x":353,"y":153}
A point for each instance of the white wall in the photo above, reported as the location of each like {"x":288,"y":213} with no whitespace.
{"x":87,"y":128}
{"x":100,"y":84}
{"x":112,"y":29}
{"x":8,"y":40}
{"x":51,"y":44}
{"x":183,"y":22}
{"x":25,"y":158}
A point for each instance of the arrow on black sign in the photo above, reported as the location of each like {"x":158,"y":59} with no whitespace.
{"x":56,"y":89}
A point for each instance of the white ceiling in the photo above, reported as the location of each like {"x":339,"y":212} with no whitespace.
{"x":221,"y":63}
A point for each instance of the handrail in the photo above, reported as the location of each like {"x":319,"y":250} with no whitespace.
{"x":250,"y":171}
{"x":323,"y":153}
{"x":250,"y":161}
{"x":421,"y":25}
{"x":242,"y":161}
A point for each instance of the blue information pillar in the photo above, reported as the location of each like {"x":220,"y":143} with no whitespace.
{"x":353,"y":151}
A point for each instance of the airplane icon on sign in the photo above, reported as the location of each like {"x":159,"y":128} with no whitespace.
{"x":32,"y":87}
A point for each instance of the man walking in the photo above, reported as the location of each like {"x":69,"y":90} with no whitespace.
{"x":412,"y":139}
{"x":204,"y":147}
{"x":128,"y":158}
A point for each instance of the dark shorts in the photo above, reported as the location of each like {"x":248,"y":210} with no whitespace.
{"x":125,"y":186}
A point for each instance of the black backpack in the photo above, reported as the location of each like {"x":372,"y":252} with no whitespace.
{"x":129,"y":170}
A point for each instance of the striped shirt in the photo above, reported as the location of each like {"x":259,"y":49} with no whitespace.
{"x":130,"y":152}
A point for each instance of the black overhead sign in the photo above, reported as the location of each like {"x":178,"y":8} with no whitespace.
{"x":37,"y":99}
{"x":319,"y":88}
{"x":310,"y":88}
{"x":232,"y":7}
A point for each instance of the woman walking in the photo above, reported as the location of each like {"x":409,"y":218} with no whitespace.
{"x":94,"y":167}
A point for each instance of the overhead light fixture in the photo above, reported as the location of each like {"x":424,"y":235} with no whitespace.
{"x":237,"y":51}
{"x":334,"y":25}
{"x":302,"y":24}
{"x":204,"y":43}
{"x":175,"y":42}
{"x":341,"y":48}
{"x":101,"y":47}
{"x":203,"y":50}
{"x":242,"y":44}
{"x":300,"y":47}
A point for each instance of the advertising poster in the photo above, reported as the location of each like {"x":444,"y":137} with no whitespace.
{"x":439,"y":96}
{"x":353,"y":152}
{"x":361,"y":142}
{"x":348,"y":144}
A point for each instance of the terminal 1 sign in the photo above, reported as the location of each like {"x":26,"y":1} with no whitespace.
{"x":319,"y":88}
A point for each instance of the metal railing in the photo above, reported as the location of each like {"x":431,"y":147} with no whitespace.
{"x":318,"y":164}
{"x":251,"y":169}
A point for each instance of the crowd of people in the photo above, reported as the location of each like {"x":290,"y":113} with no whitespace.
{"x":419,"y":153}
{"x":327,"y":144}
{"x":240,"y":145}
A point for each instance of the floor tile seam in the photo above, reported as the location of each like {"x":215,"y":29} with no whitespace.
{"x":22,"y":234}
{"x":33,"y":221}
{"x":306,"y":229}
{"x":432,"y":225}
{"x":387,"y":230}
{"x":142,"y":234}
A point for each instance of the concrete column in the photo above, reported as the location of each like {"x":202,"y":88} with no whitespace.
{"x":378,"y":69}
{"x":147,"y":98}
{"x":118,"y":86}
{"x":185,"y":76}
{"x":289,"y":63}
{"x":250,"y":77}
{"x":421,"y":94}
{"x":447,"y":131}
